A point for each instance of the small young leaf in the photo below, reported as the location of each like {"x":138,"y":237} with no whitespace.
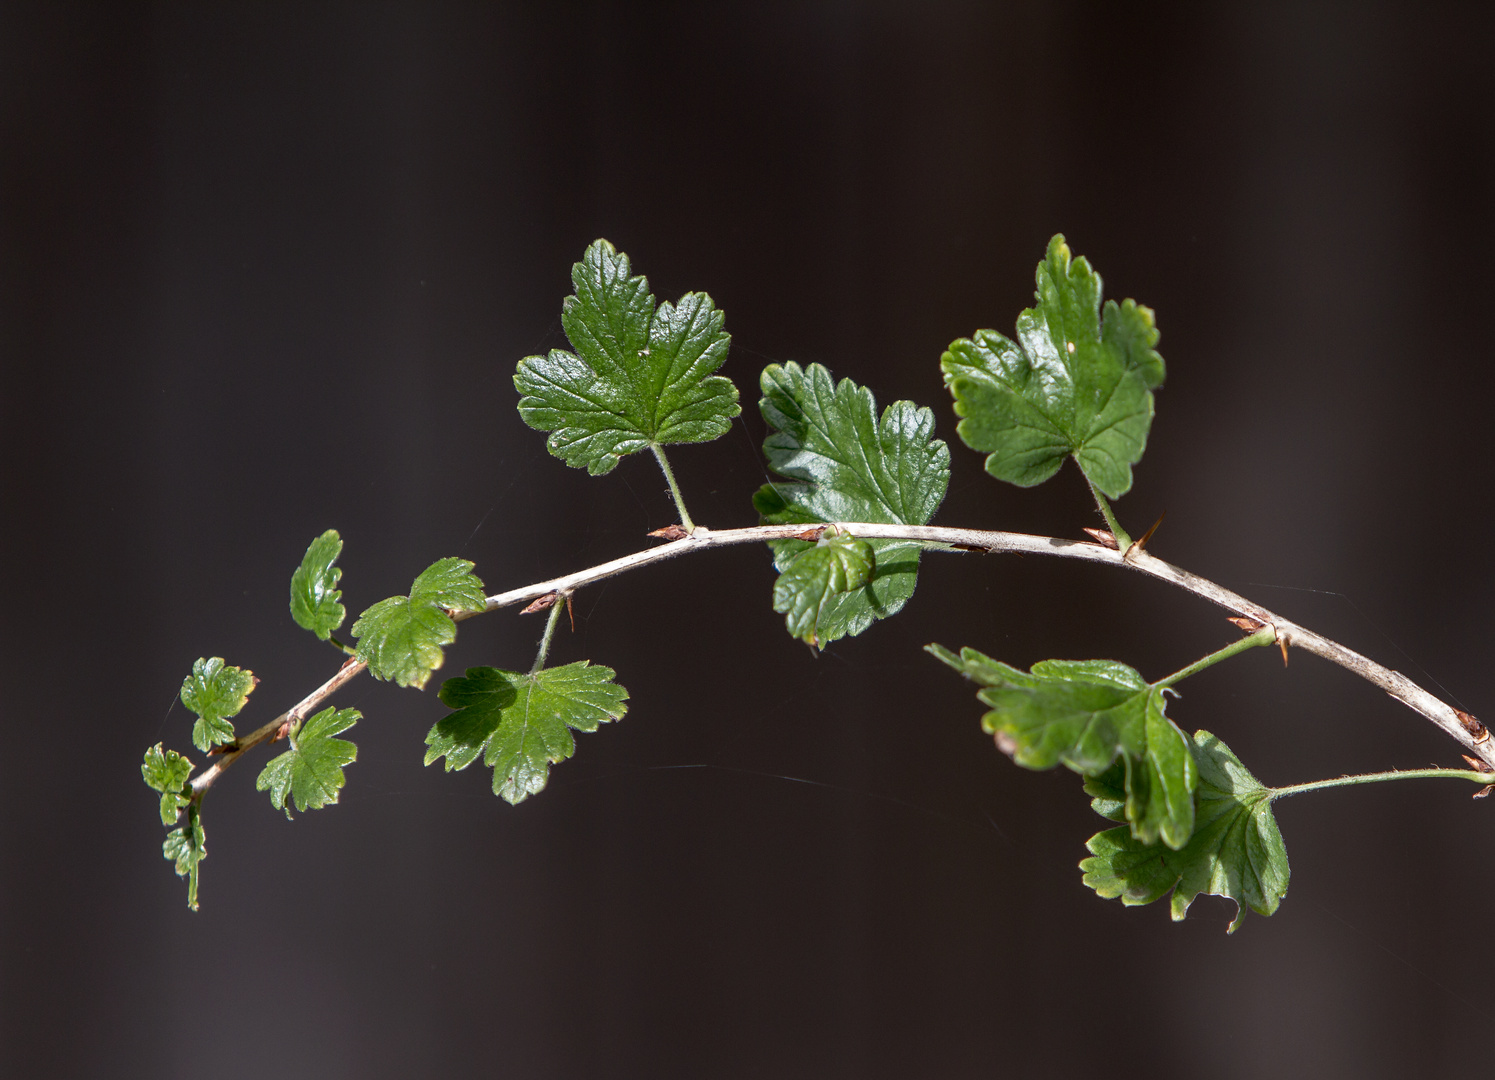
{"x":187,"y":848}
{"x":401,"y":638}
{"x":836,"y":565}
{"x":215,"y":691}
{"x":1236,"y":850}
{"x":1083,"y":714}
{"x":314,"y":591}
{"x":1076,"y":385}
{"x":167,"y":772}
{"x":521,"y":721}
{"x":639,"y":377}
{"x":311,"y":771}
{"x":844,"y":464}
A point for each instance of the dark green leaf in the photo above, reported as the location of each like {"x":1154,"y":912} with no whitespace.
{"x":844,"y":464}
{"x":187,"y":847}
{"x":311,"y":771}
{"x":1074,"y":383}
{"x":1083,"y":714}
{"x":314,"y":591}
{"x":167,"y":772}
{"x":1236,"y":850}
{"x":639,"y":377}
{"x":401,"y":638}
{"x":215,"y":691}
{"x":520,"y":722}
{"x":817,"y":577}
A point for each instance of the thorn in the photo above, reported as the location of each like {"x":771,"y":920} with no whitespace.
{"x":670,"y":532}
{"x":1104,"y":538}
{"x":1282,"y":644}
{"x":1477,"y":731}
{"x":1246,"y":623}
{"x":571,"y":612}
{"x":1482,"y":792}
{"x":1138,"y":545}
{"x":541,"y":603}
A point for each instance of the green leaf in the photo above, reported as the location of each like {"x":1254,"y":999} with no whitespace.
{"x":1084,"y":714}
{"x":1074,"y":384}
{"x":818,"y":576}
{"x":844,"y":464}
{"x":401,"y":638}
{"x":167,"y":773}
{"x":314,"y":591}
{"x":187,"y":848}
{"x":639,"y":377}
{"x":1236,"y":850}
{"x":215,"y":691}
{"x":519,"y":722}
{"x":311,"y":771}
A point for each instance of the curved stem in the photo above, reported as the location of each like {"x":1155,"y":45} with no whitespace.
{"x":1379,"y":777}
{"x":669,"y":475}
{"x":1265,"y":636}
{"x":1122,"y":539}
{"x":1462,"y":727}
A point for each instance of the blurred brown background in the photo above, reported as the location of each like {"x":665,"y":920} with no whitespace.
{"x":267,"y":270}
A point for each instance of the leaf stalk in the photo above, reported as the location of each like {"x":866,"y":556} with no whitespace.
{"x":555,"y":617}
{"x":669,"y":475}
{"x":1123,"y":538}
{"x":1265,"y":636}
{"x":1380,"y":777}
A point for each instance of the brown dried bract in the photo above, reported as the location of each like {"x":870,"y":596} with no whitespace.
{"x":1482,"y":792}
{"x":1246,"y":623}
{"x":1104,"y":539}
{"x":1475,"y":763}
{"x":809,"y":534}
{"x":671,"y":532}
{"x":542,"y":603}
{"x":1477,"y":731}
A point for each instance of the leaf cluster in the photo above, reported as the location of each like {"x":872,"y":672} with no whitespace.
{"x":401,"y":639}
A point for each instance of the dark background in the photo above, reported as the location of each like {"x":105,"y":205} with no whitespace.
{"x":267,"y":270}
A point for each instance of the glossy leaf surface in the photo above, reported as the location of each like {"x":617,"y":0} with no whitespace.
{"x":315,"y":597}
{"x":401,"y":638}
{"x":186,"y":847}
{"x":311,"y":771}
{"x":1084,"y":714}
{"x":521,"y":723}
{"x":1236,"y":850}
{"x":167,"y":772}
{"x":1077,"y":382}
{"x":817,"y":578}
{"x":639,"y":376}
{"x":215,"y":691}
{"x":842,"y":462}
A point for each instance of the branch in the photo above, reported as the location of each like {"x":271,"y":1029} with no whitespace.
{"x":1459,"y":725}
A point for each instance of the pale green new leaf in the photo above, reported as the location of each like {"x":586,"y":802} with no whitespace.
{"x":843,"y":463}
{"x":520,"y":722}
{"x":1236,"y":850}
{"x":1084,"y":714}
{"x":311,"y":771}
{"x":314,"y":593}
{"x":186,"y":847}
{"x":819,"y":576}
{"x":640,"y":377}
{"x":167,"y":772}
{"x":401,"y":638}
{"x":1078,"y":382}
{"x":215,"y":691}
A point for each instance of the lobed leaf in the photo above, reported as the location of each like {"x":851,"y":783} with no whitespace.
{"x":314,"y":593}
{"x":1077,"y":382}
{"x":187,"y":847}
{"x":167,"y":772}
{"x":842,"y":464}
{"x":1084,"y":714}
{"x":1236,"y":850}
{"x":401,"y":638}
{"x":640,"y":377}
{"x":819,"y":576}
{"x":311,"y":772}
{"x":215,"y":691}
{"x":521,"y":723}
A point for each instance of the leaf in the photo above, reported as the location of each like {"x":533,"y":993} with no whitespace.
{"x":519,"y":722}
{"x":401,"y":638}
{"x":314,"y":591}
{"x":1236,"y":850}
{"x":639,"y":377}
{"x":817,"y":577}
{"x":167,"y":773}
{"x":1084,"y":714}
{"x":1075,"y":384}
{"x":844,"y":464}
{"x":215,"y":691}
{"x":187,"y":848}
{"x":311,"y":772}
